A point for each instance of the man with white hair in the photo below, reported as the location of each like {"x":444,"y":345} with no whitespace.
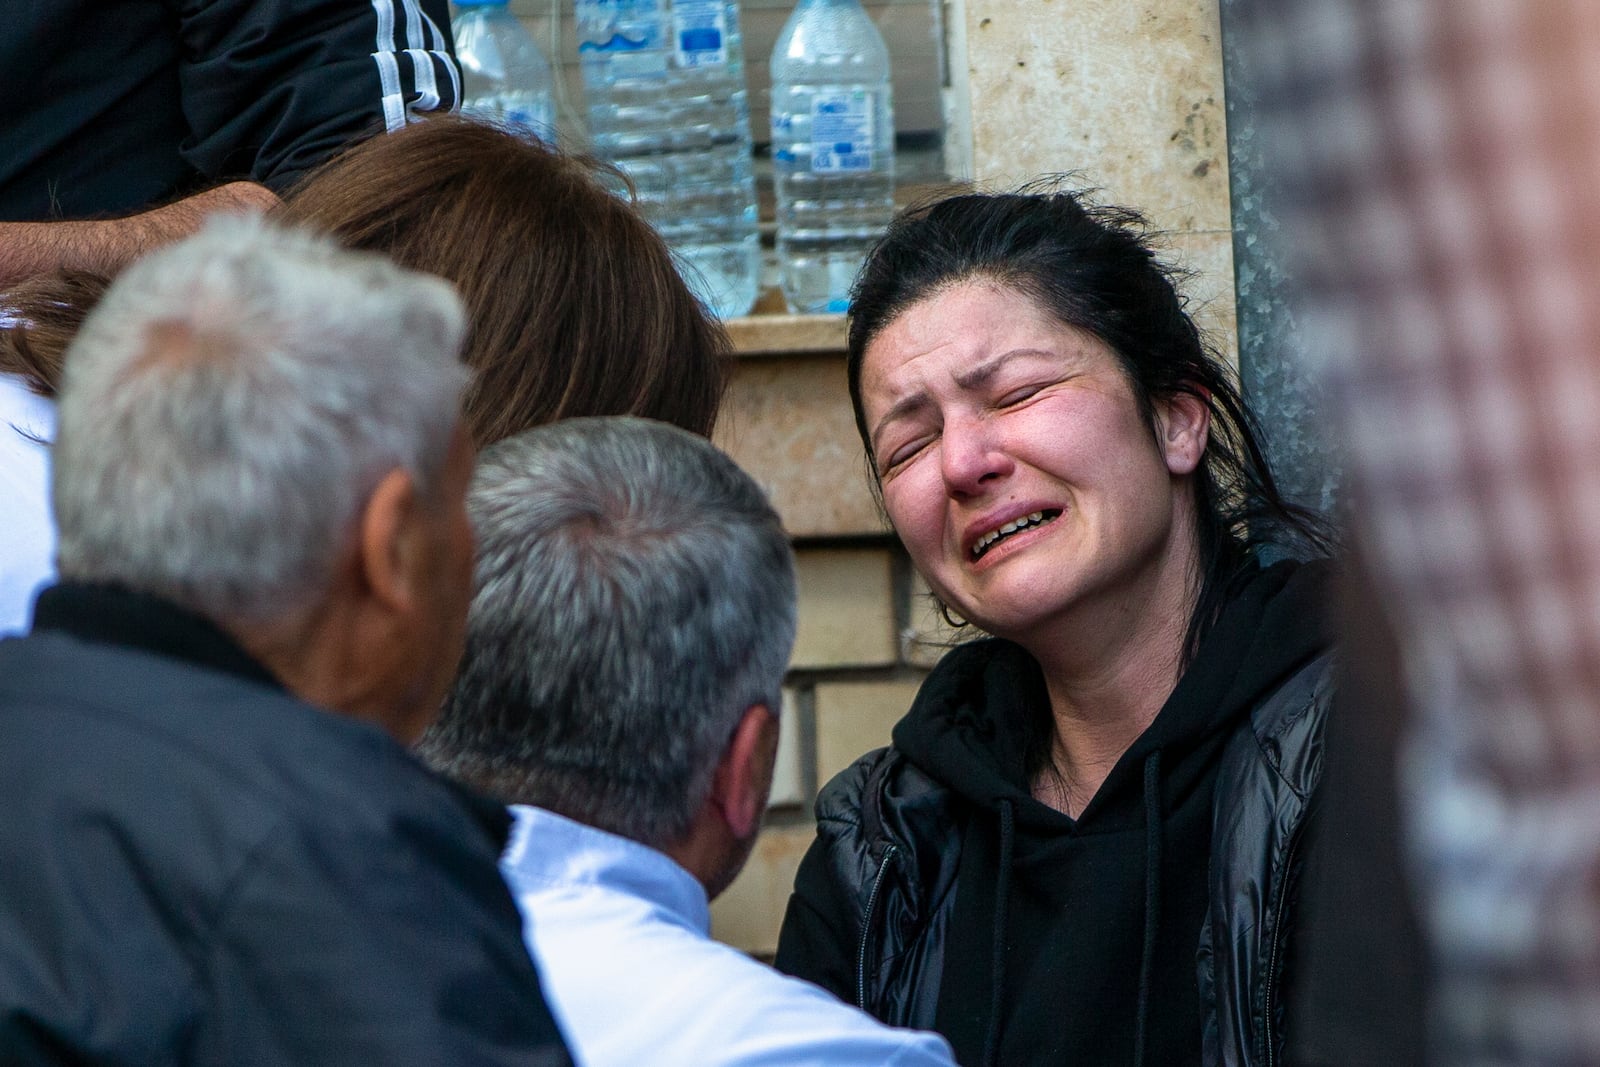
{"x":215,"y":847}
{"x":626,"y":646}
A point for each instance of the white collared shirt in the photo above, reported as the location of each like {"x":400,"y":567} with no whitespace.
{"x":621,"y":934}
{"x":27,"y":531}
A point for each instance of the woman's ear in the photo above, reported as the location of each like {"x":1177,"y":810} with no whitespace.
{"x":1183,"y":425}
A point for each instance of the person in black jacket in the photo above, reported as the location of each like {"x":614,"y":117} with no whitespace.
{"x":1083,"y":845}
{"x":217,"y":849}
{"x":128,"y":121}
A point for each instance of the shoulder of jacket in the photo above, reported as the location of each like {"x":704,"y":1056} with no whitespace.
{"x":1284,"y":733}
{"x":881,"y":798}
{"x":846,"y":801}
{"x":881,"y":774}
{"x":1307,"y":692}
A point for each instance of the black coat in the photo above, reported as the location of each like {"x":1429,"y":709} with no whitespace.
{"x":122,"y":105}
{"x":873,"y":915}
{"x":196,"y":867}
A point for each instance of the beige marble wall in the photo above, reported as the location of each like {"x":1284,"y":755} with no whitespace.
{"x":787,"y":420}
{"x":1125,"y":95}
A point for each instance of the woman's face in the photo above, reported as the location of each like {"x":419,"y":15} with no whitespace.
{"x":1017,"y":468}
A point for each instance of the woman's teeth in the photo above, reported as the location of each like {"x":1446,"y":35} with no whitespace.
{"x":1008,"y":529}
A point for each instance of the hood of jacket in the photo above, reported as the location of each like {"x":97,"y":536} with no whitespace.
{"x":1113,"y":900}
{"x":972,"y":724}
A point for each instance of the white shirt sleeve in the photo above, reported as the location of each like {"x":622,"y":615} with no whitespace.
{"x":27,"y":531}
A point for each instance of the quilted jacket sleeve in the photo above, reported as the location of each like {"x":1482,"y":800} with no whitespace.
{"x":822,"y":927}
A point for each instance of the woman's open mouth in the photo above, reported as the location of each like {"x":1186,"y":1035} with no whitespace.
{"x":1025,"y":522}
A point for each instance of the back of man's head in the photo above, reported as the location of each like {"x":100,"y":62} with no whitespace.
{"x":635,"y":597}
{"x":229,"y":408}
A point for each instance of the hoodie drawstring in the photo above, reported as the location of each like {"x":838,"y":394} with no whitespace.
{"x":997,"y":961}
{"x":1152,"y":894}
{"x":1152,"y":914}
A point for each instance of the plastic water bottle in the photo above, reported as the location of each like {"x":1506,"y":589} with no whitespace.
{"x":667,"y":103}
{"x":832,"y":149}
{"x":505,"y":77}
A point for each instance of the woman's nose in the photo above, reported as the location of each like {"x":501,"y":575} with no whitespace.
{"x":973,"y":456}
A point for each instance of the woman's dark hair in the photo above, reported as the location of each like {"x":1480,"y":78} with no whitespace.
{"x":1092,"y":268}
{"x":574,"y":306}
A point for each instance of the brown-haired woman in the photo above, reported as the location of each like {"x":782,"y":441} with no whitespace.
{"x":574,"y":303}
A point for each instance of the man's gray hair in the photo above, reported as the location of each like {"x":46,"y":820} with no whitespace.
{"x":229,"y":407}
{"x":635,"y":595}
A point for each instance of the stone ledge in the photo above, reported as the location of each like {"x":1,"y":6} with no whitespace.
{"x":778,"y":334}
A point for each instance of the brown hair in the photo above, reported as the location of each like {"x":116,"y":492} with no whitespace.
{"x":45,"y":313}
{"x":574,"y":305}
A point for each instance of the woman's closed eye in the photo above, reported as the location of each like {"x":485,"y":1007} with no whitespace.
{"x":1021,"y":394}
{"x":898,"y":453}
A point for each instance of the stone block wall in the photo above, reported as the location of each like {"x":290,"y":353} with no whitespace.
{"x":868,"y":634}
{"x":869,"y":631}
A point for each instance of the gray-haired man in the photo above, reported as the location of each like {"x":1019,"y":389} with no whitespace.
{"x":259,"y":488}
{"x":634,"y":614}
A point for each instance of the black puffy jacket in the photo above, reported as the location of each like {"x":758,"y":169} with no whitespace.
{"x":872,"y":916}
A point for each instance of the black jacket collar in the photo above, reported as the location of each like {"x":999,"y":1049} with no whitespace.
{"x":110,"y":614}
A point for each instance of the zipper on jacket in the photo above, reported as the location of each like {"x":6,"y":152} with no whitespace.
{"x":1272,"y":955}
{"x":866,"y":926}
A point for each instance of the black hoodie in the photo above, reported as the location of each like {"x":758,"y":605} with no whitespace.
{"x":1074,"y":941}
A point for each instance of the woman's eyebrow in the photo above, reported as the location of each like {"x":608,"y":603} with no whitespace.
{"x":906,"y":405}
{"x":971,"y":378}
{"x":975,"y":377}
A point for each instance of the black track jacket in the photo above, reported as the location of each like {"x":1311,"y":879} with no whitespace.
{"x":113,"y":106}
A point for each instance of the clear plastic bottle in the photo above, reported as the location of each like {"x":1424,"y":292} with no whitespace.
{"x":832,"y":149}
{"x":667,"y":103}
{"x":505,"y":77}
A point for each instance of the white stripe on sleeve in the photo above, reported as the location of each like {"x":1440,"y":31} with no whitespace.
{"x":427,"y":87}
{"x":394,"y":103}
{"x":441,"y":55}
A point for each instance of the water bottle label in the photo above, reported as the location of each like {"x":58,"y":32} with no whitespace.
{"x":700,"y":30}
{"x":841,"y":132}
{"x":618,"y":26}
{"x":782,"y":143}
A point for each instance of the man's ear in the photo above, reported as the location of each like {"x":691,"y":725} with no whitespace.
{"x":387,"y":541}
{"x":743,"y":778}
{"x":1183,"y":423}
